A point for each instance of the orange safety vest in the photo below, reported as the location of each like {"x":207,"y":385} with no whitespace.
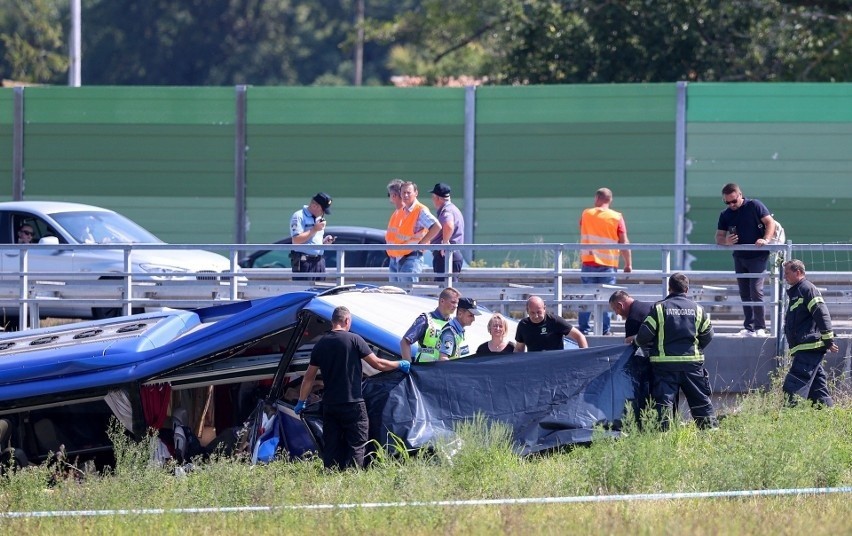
{"x":600,"y":226}
{"x":401,"y":229}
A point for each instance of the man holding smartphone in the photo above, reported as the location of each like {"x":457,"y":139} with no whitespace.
{"x":747,"y":221}
{"x":307,"y":227}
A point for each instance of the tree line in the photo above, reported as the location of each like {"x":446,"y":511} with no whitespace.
{"x":316,"y":42}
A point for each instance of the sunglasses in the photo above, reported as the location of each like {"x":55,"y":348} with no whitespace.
{"x":732,"y":202}
{"x":26,"y":232}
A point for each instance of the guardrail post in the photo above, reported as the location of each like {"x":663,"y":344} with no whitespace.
{"x":448,"y":265}
{"x":667,"y":267}
{"x":341,"y":267}
{"x":23,"y":308}
{"x":234,"y":283}
{"x":557,"y":279}
{"x":127,"y":303}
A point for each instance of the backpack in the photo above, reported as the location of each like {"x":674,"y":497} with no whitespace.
{"x":779,"y":236}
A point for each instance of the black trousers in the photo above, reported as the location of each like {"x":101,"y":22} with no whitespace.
{"x":751,"y":290}
{"x":642,"y":376}
{"x":344,"y":433}
{"x":307,"y":264}
{"x":807,"y":379}
{"x":438,"y":264}
{"x":695,"y":384}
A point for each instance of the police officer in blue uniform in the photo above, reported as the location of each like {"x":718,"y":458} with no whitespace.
{"x":307,"y":227}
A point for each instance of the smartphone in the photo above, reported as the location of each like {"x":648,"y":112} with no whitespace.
{"x":732,"y":229}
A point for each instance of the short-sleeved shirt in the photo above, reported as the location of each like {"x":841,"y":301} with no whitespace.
{"x":302,"y":221}
{"x":750,"y":228}
{"x":546,"y":335}
{"x":449,"y":213}
{"x":338,"y":355}
{"x":448,"y":340}
{"x":425,"y":220}
{"x":418,"y":328}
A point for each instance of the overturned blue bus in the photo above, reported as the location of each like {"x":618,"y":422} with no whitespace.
{"x":225,"y":364}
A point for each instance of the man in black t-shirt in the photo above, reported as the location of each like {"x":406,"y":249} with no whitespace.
{"x":744,"y":222}
{"x":634,"y":312}
{"x":338,"y":356}
{"x":544,"y":331}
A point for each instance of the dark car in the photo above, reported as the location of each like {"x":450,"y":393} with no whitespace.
{"x":343,"y":235}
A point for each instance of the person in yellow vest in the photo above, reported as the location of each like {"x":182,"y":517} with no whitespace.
{"x":410,"y":223}
{"x":600,"y":225}
{"x":452,"y":344}
{"x":427,"y":327}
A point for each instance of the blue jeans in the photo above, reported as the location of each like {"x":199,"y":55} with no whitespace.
{"x":609,"y":278}
{"x":410,"y":264}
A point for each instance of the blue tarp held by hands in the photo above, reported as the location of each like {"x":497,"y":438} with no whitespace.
{"x":547,"y":398}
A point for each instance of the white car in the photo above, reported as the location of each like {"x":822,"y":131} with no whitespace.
{"x":72,"y":223}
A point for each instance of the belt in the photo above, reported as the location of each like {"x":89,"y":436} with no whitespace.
{"x":306,"y":256}
{"x":413,"y":254}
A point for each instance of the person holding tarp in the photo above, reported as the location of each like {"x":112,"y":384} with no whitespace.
{"x":338,"y":356}
{"x":634,"y":313}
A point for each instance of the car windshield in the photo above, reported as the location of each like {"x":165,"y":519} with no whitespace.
{"x":103,"y":228}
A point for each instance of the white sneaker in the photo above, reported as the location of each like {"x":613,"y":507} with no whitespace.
{"x":761,"y":333}
{"x":746,"y":333}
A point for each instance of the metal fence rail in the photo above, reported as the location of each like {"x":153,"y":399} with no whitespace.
{"x":505,"y":289}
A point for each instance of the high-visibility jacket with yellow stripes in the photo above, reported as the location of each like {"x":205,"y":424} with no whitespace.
{"x":600,"y":226}
{"x":807,"y":322}
{"x":677,"y":330}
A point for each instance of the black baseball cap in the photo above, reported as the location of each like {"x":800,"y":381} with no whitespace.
{"x":441,"y":189}
{"x":324,"y":201}
{"x":469,"y":304}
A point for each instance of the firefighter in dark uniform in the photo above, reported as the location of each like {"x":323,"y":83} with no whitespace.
{"x":807,"y":326}
{"x":677,"y":330}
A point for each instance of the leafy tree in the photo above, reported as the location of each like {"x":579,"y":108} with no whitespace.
{"x":575,"y":41}
{"x":31,"y":41}
{"x":222,"y":42}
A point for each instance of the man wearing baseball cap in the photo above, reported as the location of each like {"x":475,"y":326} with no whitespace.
{"x":307,"y":227}
{"x":453,"y":345}
{"x":452,"y":230}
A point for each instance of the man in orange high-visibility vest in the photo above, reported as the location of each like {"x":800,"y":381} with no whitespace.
{"x":410,"y":223}
{"x":602,"y":226}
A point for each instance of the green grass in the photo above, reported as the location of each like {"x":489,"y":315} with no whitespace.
{"x":759,"y":446}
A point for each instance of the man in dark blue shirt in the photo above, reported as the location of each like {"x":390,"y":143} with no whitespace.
{"x":747,"y":221}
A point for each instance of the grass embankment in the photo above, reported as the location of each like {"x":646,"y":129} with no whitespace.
{"x":761,"y":446}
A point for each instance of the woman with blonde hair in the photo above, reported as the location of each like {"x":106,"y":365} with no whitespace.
{"x":499,"y":344}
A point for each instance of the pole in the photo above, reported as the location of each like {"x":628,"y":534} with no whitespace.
{"x":74,"y":54}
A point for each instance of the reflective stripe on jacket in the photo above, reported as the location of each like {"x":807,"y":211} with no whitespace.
{"x":600,"y":226}
{"x":677,"y":331}
{"x":429,"y":345}
{"x":401,"y":229}
{"x":807,"y":324}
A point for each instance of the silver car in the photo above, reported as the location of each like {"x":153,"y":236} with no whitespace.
{"x":49,"y":222}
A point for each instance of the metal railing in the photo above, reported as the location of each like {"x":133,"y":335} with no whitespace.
{"x":507,"y":289}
